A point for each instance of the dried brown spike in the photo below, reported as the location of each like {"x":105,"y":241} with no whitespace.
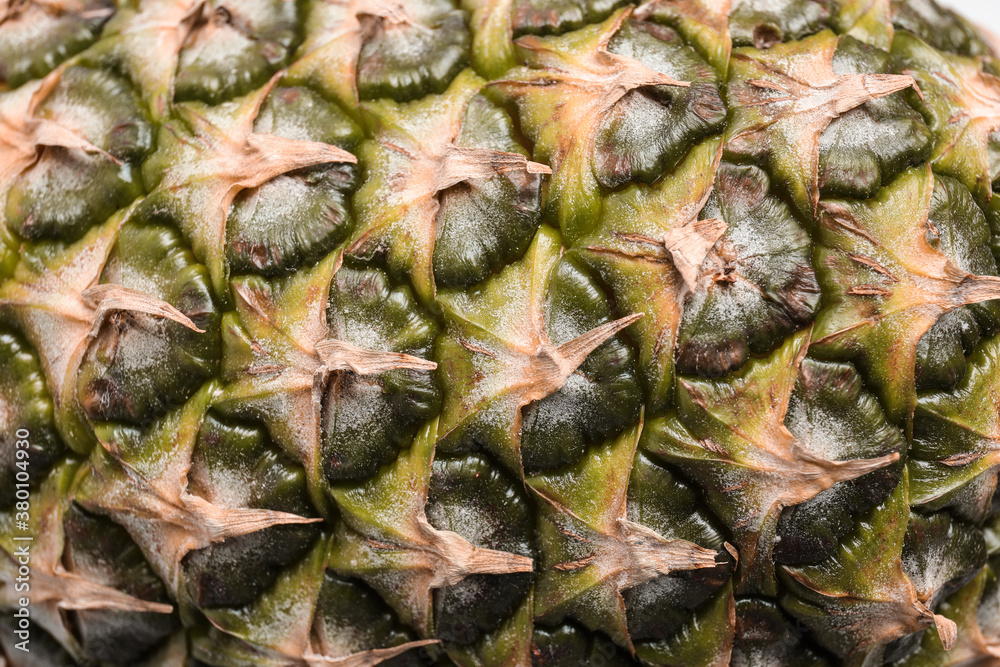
{"x":339,"y":355}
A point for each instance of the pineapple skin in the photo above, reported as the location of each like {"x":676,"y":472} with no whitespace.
{"x":498,"y":332}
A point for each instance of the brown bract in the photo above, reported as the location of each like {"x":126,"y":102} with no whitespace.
{"x":688,"y":246}
{"x":459,"y":163}
{"x":534,"y":367}
{"x":339,"y":355}
{"x":295,"y":359}
{"x":456,"y":558}
{"x":601,"y":552}
{"x":163,"y":518}
{"x":793,"y":98}
{"x":549,"y":366}
{"x":23,"y":135}
{"x":55,"y":590}
{"x":428,"y":559}
{"x":629,"y":555}
{"x":63,"y":308}
{"x":771,"y":469}
{"x":347,"y":25}
{"x":687,"y":240}
{"x":587,"y":83}
{"x":438,"y":164}
{"x":228,"y":160}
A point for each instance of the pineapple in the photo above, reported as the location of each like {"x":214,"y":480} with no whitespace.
{"x":498,"y":333}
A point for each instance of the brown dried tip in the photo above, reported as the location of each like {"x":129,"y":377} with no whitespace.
{"x":338,"y":355}
{"x":23,"y":134}
{"x":77,"y":593}
{"x":108,"y":298}
{"x":947,"y":630}
{"x":460,"y":558}
{"x":650,"y":555}
{"x":688,"y":246}
{"x":72,"y":592}
{"x":551,"y":366}
{"x":459,"y":164}
{"x":188,"y":522}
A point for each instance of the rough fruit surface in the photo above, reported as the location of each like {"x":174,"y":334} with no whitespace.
{"x":498,"y":333}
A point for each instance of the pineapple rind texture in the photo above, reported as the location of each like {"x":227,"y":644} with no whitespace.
{"x":499,"y":333}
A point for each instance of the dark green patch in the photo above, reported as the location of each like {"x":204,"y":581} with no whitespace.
{"x":570,"y":646}
{"x":67,"y":191}
{"x":235,"y":48}
{"x":237,"y":465}
{"x":766,"y":636}
{"x":140,"y":366}
{"x":367,"y":419}
{"x":474,"y":498}
{"x":652,"y":128}
{"x":25,"y":403}
{"x":350,"y":611}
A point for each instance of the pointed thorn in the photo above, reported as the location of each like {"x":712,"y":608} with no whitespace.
{"x":947,"y":630}
{"x":338,"y":355}
{"x":577,"y":350}
{"x":854,"y":468}
{"x":107,"y":298}
{"x":880,"y":85}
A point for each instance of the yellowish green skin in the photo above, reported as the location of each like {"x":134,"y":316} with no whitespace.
{"x":499,"y":333}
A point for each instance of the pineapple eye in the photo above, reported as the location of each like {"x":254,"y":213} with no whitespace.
{"x":235,"y":49}
{"x":138,"y":365}
{"x":236,"y":464}
{"x":471,"y":497}
{"x":66,"y":191}
{"x":37,"y":36}
{"x":652,"y":128}
{"x":367,"y":419}
{"x":764,"y":23}
{"x":406,"y":61}
{"x":25,"y":406}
